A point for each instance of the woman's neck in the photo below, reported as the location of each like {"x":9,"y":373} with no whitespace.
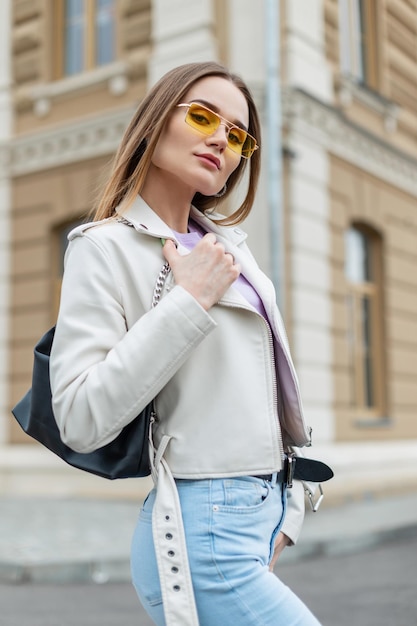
{"x":171,"y":201}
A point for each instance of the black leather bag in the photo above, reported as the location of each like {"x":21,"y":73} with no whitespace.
{"x":127,"y":456}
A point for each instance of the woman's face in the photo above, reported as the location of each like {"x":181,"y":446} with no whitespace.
{"x":186,"y":157}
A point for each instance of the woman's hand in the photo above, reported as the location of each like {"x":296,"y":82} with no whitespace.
{"x":281,"y":542}
{"x":206,"y":273}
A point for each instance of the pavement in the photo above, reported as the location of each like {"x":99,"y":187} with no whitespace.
{"x":62,"y":540}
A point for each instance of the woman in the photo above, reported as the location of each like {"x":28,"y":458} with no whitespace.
{"x":213,"y":354}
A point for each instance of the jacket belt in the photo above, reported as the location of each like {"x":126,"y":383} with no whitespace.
{"x":170,"y":545}
{"x":300,"y":468}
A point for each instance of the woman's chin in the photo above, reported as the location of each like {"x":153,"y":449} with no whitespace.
{"x":207,"y":192}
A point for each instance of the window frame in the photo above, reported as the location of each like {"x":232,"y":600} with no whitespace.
{"x":90,"y":39}
{"x":357,"y":292}
{"x":358,"y":41}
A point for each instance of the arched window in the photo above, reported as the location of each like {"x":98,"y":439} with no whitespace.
{"x":363,"y":271}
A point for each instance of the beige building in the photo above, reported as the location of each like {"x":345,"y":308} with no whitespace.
{"x":348,"y":98}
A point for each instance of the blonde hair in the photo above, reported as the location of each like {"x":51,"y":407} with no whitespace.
{"x":133,"y":157}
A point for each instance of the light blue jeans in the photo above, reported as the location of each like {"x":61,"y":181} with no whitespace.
{"x":230,"y":527}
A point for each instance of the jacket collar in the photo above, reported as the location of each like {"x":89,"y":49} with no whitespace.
{"x":208,"y":220}
{"x":145,"y":220}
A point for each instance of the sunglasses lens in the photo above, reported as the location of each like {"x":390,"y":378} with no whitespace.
{"x":249,"y":146}
{"x":207,"y":122}
{"x":202,"y":120}
{"x":236,"y":139}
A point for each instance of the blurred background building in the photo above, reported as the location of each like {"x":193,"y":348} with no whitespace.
{"x":344,"y":187}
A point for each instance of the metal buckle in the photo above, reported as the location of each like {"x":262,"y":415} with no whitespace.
{"x":291,"y":461}
{"x":314,"y":504}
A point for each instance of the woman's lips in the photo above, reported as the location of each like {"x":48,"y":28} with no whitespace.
{"x":210,"y":158}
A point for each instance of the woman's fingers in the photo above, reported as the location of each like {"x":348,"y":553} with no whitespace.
{"x":207,"y":272}
{"x":170,"y":251}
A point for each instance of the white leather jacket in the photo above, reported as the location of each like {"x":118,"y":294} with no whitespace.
{"x":218,"y":388}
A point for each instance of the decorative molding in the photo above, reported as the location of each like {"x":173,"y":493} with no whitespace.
{"x":85,"y":139}
{"x":114,"y":74}
{"x":42,"y":97}
{"x":329,"y":128}
{"x":349,"y":90}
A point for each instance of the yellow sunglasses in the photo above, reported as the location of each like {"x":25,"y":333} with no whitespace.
{"x":207,"y":122}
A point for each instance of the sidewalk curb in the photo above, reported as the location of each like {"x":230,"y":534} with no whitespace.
{"x":98,"y":572}
{"x":117,"y":570}
{"x":341,"y":546}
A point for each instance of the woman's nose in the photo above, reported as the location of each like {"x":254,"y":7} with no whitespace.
{"x":219,"y":137}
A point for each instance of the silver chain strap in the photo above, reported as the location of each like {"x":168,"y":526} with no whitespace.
{"x":159,"y":285}
{"x":165,"y":270}
{"x":123,"y":220}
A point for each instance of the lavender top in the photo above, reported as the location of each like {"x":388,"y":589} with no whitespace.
{"x":190,"y":240}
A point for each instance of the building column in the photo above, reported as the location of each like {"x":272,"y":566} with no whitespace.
{"x":245,"y":21}
{"x":309,"y":246}
{"x":5,"y":208}
{"x":182,"y":32}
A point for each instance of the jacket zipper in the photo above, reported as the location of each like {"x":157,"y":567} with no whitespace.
{"x":283,"y":336}
{"x":277,"y":400}
{"x":277,"y":396}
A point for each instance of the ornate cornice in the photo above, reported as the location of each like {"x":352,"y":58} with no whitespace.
{"x":78,"y":141}
{"x":329,"y":128}
{"x":349,"y":90}
{"x":42,"y":97}
{"x":302,"y":114}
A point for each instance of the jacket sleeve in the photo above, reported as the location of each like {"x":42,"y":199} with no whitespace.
{"x":102,"y":373}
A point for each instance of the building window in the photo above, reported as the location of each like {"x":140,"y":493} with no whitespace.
{"x":358,"y":40}
{"x":86,"y":35}
{"x":104,"y":28}
{"x":363,"y":270}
